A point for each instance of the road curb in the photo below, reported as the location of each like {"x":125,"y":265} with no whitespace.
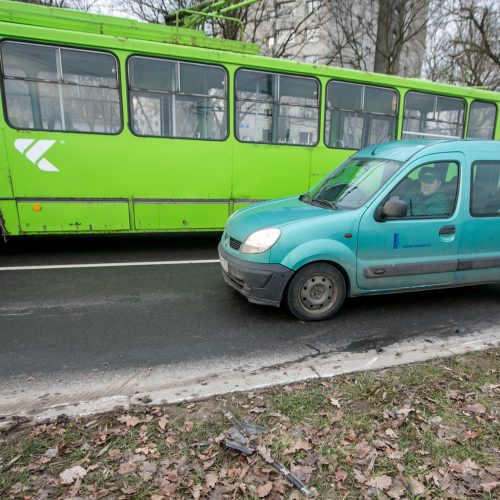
{"x":169,"y":385}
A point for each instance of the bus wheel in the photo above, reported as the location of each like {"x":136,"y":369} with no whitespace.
{"x":316,"y":292}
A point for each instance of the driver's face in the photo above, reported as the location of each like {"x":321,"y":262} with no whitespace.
{"x":429,"y":188}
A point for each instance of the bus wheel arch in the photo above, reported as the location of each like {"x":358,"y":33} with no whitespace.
{"x":316,"y":291}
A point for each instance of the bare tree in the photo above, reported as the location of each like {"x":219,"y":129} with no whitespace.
{"x":399,"y":23}
{"x":173,"y":11}
{"x":155,"y":11}
{"x":254,"y":23}
{"x":281,"y":27}
{"x":350,"y":33}
{"x":467,"y":48}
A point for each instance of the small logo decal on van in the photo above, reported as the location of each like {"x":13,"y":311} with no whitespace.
{"x":395,"y":241}
{"x":34,"y":151}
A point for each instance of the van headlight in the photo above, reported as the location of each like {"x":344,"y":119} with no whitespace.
{"x":261,"y":240}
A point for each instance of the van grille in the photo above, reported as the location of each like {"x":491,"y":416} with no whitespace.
{"x":234,"y":243}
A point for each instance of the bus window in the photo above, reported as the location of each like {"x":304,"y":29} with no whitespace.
{"x":276,"y":109}
{"x":55,"y":88}
{"x":429,"y":116}
{"x":178,"y":100}
{"x":482,"y":118}
{"x":359,"y":115}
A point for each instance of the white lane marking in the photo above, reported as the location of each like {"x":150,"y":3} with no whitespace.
{"x":110,"y":264}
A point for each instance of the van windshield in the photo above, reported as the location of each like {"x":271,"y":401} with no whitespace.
{"x":352,"y":184}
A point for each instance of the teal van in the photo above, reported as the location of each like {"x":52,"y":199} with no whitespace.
{"x":400,"y":216}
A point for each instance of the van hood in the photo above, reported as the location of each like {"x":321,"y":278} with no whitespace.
{"x":275,"y":213}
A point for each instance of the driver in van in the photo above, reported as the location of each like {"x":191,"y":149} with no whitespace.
{"x":428,"y":199}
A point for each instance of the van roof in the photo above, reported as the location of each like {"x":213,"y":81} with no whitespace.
{"x":404,"y":150}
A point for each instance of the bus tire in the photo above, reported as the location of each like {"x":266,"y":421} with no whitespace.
{"x":316,"y":292}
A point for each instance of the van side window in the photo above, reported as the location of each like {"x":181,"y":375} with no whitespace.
{"x":276,"y":109}
{"x":485,"y":189}
{"x":429,"y":190}
{"x":58,"y":88}
{"x":359,"y":115}
{"x":482,"y":120}
{"x":428,"y":116}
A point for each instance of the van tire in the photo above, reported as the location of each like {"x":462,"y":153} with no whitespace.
{"x":316,"y":292}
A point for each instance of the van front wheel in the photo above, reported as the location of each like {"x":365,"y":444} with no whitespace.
{"x":316,"y":292}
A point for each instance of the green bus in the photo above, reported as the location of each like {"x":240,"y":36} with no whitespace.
{"x":112,"y":125}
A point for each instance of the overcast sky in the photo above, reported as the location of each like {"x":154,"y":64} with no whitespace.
{"x":109,"y":7}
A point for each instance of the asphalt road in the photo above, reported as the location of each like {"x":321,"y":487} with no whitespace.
{"x":105,"y":318}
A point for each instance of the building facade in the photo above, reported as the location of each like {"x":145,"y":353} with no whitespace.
{"x":338,"y":32}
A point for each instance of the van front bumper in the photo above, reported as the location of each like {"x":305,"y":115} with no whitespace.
{"x":259,"y":283}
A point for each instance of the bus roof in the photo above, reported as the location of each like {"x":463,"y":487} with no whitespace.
{"x":72,"y":20}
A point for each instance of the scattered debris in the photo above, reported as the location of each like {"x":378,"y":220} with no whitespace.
{"x":243,"y":439}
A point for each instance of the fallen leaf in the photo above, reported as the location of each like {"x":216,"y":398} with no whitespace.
{"x":493,"y":470}
{"x":265,"y":454}
{"x":298,"y":445}
{"x":335,"y":402}
{"x":405,"y":410}
{"x":188,"y":426}
{"x":340,"y":475}
{"x":211,"y":480}
{"x":208,"y":463}
{"x":397,"y":490}
{"x":264,"y":490}
{"x":416,"y":487}
{"x":162,"y":423}
{"x":475,"y":408}
{"x":457,"y":467}
{"x":256,"y":409}
{"x":395,"y":454}
{"x":69,"y":476}
{"x":147,"y":471}
{"x":489,"y":487}
{"x":127,"y":468}
{"x":363,"y":449}
{"x":73,"y":492}
{"x":281,"y":486}
{"x":391,"y":433}
{"x":129,"y":489}
{"x":453,"y":394}
{"x":470,"y":435}
{"x":196,"y":491}
{"x":129,"y":420}
{"x":114,"y":454}
{"x":360,"y":478}
{"x":51,"y":453}
{"x":303,"y":472}
{"x":381,"y":482}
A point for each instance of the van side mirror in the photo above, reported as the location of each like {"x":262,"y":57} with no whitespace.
{"x":394,"y":209}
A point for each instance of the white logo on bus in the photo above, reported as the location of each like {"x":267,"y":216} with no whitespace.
{"x":34,"y":151}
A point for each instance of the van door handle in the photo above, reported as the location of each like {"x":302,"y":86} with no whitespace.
{"x":447,"y":230}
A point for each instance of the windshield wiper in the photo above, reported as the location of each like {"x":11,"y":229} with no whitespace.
{"x":306,"y":198}
{"x":320,"y":202}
